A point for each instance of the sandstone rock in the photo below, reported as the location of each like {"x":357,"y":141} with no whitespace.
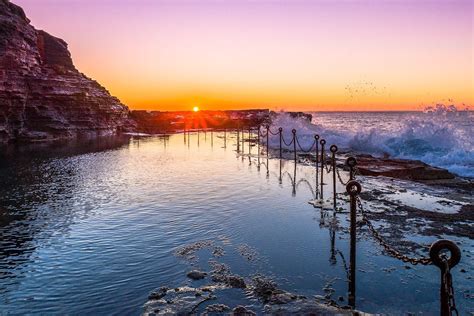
{"x":242,"y":311}
{"x":236,"y":281}
{"x":196,"y":275}
{"x":217,"y":308}
{"x":42,"y":95}
{"x":400,"y":168}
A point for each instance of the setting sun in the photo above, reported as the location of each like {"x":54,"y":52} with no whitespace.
{"x":196,"y":109}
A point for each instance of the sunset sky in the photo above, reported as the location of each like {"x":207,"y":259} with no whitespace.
{"x":299,"y":55}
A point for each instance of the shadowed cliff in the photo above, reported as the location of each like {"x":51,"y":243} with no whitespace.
{"x":42,"y":95}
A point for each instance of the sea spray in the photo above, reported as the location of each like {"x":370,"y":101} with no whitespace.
{"x":441,"y":137}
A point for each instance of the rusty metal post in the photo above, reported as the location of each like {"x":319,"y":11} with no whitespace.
{"x":293,"y":192}
{"x":333,"y":150}
{"x":353,"y":189}
{"x":243,"y":144}
{"x":294,"y":145}
{"x":351,"y":162}
{"x":268,"y":144}
{"x":437,"y":249}
{"x":316,"y":138}
{"x":238,"y":140}
{"x":322,"y":142}
{"x":280,"y":130}
{"x":184,"y":133}
{"x":250,"y":144}
{"x":258,"y":147}
{"x":225,"y":137}
{"x":280,"y":180}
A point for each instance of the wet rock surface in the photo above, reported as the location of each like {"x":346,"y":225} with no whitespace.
{"x":262,"y":292}
{"x":42,"y":95}
{"x":400,"y":168}
{"x":196,"y":275}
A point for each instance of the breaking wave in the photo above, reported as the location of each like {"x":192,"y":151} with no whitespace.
{"x":441,"y":136}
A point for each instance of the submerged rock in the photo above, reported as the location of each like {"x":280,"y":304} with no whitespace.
{"x":242,"y":311}
{"x":400,"y":168}
{"x":217,"y":308}
{"x":196,"y":275}
{"x":179,"y":301}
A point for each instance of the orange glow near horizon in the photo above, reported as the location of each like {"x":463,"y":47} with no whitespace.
{"x":196,"y":109}
{"x":316,"y":55}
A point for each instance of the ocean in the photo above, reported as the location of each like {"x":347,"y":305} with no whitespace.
{"x":439,"y":138}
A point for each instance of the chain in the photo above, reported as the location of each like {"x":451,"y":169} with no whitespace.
{"x":356,"y":171}
{"x":328,"y":169}
{"x":448,"y":287}
{"x":389,"y":249}
{"x":284,"y":142}
{"x":301,"y":148}
{"x":271,"y":133}
{"x":340,"y":178}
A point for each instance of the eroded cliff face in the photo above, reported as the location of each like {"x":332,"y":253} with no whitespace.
{"x":42,"y":95}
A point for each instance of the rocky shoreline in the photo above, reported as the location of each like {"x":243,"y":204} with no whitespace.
{"x":43,"y":97}
{"x":209,"y":297}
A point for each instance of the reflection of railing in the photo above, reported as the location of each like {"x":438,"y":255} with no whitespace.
{"x":324,"y":165}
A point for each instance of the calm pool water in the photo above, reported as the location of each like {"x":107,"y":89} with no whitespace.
{"x":92,"y":227}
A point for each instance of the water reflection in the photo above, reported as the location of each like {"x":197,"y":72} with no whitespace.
{"x":93,"y":230}
{"x":31,"y":175}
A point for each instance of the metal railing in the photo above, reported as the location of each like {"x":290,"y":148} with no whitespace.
{"x":328,"y":165}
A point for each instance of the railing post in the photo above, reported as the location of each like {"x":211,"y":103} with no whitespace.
{"x":268,"y":144}
{"x":184,"y":133}
{"x":351,"y":162}
{"x":238,"y":139}
{"x":333,"y":150}
{"x":225,"y":137}
{"x":198,"y":136}
{"x":258,"y":147}
{"x":212,"y":137}
{"x":437,"y":250}
{"x":243,"y":144}
{"x":250,"y":147}
{"x":353,"y":189}
{"x":280,"y":130}
{"x":294,"y":144}
{"x":316,"y":138}
{"x":293,"y":192}
{"x":322,"y":142}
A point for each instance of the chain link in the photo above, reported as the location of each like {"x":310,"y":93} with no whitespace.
{"x":340,"y":178}
{"x":328,"y":170}
{"x":286,"y":144}
{"x":271,"y":133}
{"x":301,"y":148}
{"x":389,"y":249}
{"x":448,"y":287}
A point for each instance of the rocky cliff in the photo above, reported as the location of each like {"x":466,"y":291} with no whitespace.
{"x":42,"y":95}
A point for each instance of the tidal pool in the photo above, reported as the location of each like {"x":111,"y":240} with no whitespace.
{"x":93,"y":227}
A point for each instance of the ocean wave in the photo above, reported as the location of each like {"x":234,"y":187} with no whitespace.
{"x":439,"y":138}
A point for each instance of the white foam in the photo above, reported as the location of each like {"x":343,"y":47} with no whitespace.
{"x":442,"y":137}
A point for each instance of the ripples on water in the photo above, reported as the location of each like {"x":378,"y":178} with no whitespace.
{"x":93,"y":227}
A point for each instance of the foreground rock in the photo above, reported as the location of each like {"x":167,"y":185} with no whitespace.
{"x":206,"y":300}
{"x":42,"y":95}
{"x":400,"y":168}
{"x":196,"y":275}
